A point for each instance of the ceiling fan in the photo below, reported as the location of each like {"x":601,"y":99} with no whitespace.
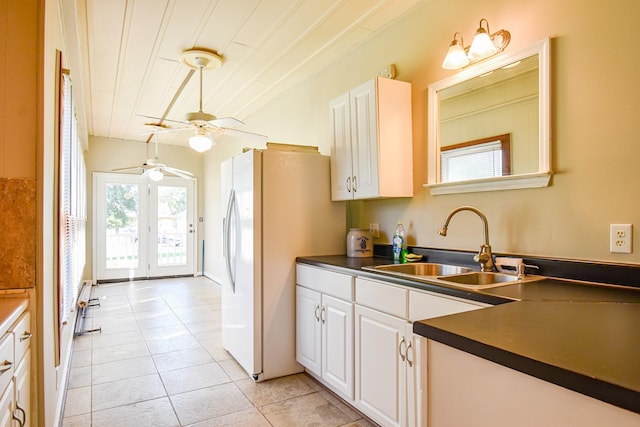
{"x":156,"y":170}
{"x":205,"y":125}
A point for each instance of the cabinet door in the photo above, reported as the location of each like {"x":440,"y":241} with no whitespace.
{"x":413,"y":412}
{"x":337,"y":344}
{"x":341,"y":156}
{"x":308,"y":329}
{"x":23,"y":389}
{"x":6,"y":407}
{"x":380,"y":389}
{"x":364,"y":140}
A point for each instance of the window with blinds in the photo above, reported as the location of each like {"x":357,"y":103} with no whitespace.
{"x":73,"y":213}
{"x":482,"y":158}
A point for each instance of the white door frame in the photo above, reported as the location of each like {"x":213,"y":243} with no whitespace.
{"x":146,"y":228}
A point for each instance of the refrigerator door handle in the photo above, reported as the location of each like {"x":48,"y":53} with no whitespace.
{"x":227,"y":240}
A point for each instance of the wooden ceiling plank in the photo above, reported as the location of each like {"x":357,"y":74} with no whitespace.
{"x":388,"y":13}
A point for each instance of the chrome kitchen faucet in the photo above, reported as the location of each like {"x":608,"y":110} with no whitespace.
{"x":484,"y":257}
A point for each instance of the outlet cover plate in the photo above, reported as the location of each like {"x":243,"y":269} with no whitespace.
{"x":620,"y":238}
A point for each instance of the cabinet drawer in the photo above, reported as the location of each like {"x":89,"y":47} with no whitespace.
{"x":427,"y":305}
{"x":379,"y":296}
{"x":328,"y":282}
{"x":6,"y":361}
{"x":22,"y":334}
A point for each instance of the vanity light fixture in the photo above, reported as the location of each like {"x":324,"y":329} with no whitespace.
{"x":484,"y":45}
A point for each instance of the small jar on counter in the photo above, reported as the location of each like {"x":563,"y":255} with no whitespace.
{"x":359,"y":243}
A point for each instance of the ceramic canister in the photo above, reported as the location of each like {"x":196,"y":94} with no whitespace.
{"x":359,"y":243}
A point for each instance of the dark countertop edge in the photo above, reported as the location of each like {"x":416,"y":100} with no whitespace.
{"x":604,"y":391}
{"x":439,"y":289}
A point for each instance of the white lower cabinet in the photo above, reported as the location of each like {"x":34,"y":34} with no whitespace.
{"x":380,"y":366}
{"x":389,"y":376}
{"x":337,"y":344}
{"x":308,"y":329}
{"x":15,"y":378}
{"x":324,"y":328}
{"x":366,"y":352}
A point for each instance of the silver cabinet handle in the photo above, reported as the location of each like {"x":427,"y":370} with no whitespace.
{"x":355,"y":184}
{"x":409,"y":347}
{"x":25,"y":336}
{"x":317,"y":313}
{"x":349,"y":184}
{"x":402,"y":356}
{"x":24,"y":415}
{"x":324,"y":309}
{"x":227,"y":239}
{"x":6,"y":365}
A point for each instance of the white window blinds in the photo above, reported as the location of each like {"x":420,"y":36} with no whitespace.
{"x":73,"y":206}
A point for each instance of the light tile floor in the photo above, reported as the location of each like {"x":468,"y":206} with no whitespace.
{"x":159,"y":362}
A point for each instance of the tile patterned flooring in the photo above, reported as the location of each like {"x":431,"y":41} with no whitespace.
{"x":159,"y":362}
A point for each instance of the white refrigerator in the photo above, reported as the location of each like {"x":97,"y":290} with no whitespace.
{"x":278,"y":206}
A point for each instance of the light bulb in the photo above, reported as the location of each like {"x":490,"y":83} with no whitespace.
{"x":155,"y":175}
{"x":482,"y":46}
{"x":456,"y":57}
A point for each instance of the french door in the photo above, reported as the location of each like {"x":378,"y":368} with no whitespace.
{"x":142,"y":228}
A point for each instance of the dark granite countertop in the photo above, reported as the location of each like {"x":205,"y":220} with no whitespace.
{"x":581,"y":336}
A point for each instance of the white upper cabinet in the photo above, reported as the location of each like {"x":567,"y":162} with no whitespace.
{"x":371,"y":141}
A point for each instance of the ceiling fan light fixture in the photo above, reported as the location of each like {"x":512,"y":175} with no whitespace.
{"x":200,"y":142}
{"x":155,"y":175}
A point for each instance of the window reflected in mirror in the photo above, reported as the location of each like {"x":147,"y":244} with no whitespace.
{"x":481,"y":158}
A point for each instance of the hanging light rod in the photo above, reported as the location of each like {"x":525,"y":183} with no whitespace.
{"x":484,"y":45}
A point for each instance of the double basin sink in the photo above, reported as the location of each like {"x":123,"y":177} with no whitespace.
{"x":451,"y":275}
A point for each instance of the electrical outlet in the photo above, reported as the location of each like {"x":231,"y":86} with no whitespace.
{"x":374,"y":228}
{"x":620,"y":238}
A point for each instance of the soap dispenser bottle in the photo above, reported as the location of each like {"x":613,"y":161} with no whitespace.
{"x":399,"y":243}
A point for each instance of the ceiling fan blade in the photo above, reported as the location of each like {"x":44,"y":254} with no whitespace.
{"x":143,"y":167}
{"x":166,"y":130}
{"x":160,"y":119}
{"x":226,"y":122}
{"x":172,"y":169}
{"x":178,"y":172}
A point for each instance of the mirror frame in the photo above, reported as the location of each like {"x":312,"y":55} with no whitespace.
{"x":542,"y":177}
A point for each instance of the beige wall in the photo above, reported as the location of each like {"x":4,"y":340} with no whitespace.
{"x":594,"y":111}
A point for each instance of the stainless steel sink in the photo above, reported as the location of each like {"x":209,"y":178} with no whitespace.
{"x":484,"y":280}
{"x":450,"y":275}
{"x":420,"y":269}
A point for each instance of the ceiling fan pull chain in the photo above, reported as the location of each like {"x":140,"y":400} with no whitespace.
{"x":200,"y":67}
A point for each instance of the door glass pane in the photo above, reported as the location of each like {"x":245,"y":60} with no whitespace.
{"x":122,"y":232}
{"x":172,"y":225}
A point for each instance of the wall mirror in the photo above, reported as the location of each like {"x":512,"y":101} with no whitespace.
{"x":489,"y":125}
